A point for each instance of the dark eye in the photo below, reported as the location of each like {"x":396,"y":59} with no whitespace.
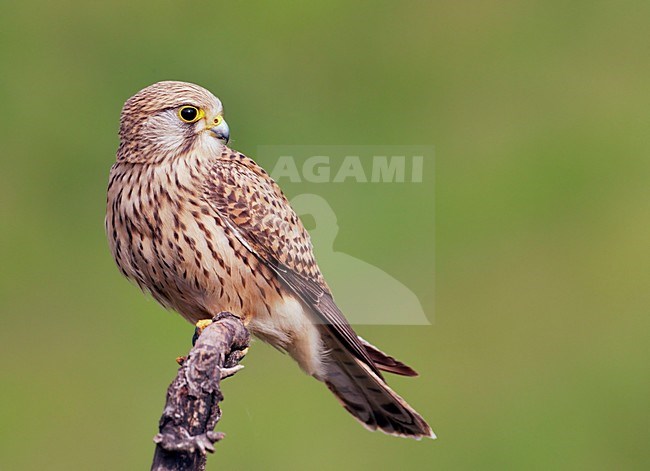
{"x":189,"y":114}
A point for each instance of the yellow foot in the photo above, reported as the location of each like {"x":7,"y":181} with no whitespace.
{"x":200,"y":327}
{"x":202,"y":324}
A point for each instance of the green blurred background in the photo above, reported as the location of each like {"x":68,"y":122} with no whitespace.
{"x":538,"y":353}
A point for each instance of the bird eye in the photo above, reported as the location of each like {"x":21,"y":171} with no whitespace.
{"x":189,"y":114}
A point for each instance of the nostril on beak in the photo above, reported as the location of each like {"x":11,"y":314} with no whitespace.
{"x":221,"y":130}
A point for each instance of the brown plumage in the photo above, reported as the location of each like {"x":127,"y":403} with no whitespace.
{"x":205,"y":229}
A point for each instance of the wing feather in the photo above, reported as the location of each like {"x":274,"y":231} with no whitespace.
{"x":258,"y":213}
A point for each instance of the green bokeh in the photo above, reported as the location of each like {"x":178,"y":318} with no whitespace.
{"x":538,"y":354}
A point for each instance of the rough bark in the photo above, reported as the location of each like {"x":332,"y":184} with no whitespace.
{"x":186,"y":429}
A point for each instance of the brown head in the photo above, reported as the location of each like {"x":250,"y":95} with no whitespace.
{"x":168,"y":119}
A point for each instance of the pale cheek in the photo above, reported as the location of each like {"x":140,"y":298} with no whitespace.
{"x":172,"y":142}
{"x":164,"y":132}
{"x":209,"y":145}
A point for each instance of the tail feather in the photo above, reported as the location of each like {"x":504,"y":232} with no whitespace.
{"x":385,"y":362}
{"x":368,"y":398}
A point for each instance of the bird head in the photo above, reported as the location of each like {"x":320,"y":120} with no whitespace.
{"x":171,"y":119}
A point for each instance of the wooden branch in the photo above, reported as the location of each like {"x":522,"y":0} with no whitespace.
{"x":192,"y":408}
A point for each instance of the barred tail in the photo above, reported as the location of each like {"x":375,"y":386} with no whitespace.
{"x":367,"y":396}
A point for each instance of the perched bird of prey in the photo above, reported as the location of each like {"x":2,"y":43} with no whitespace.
{"x":204,"y":229}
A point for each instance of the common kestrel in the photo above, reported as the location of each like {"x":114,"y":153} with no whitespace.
{"x":204,"y":229}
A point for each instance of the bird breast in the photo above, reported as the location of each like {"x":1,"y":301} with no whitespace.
{"x":172,"y":243}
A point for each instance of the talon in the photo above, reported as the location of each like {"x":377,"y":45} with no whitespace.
{"x":180,"y":360}
{"x":228,"y":372}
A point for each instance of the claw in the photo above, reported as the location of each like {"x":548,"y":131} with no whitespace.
{"x":180,"y":360}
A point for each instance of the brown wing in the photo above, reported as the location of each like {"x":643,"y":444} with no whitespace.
{"x":260,"y":216}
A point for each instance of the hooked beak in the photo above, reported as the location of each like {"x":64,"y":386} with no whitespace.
{"x":221,"y":131}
